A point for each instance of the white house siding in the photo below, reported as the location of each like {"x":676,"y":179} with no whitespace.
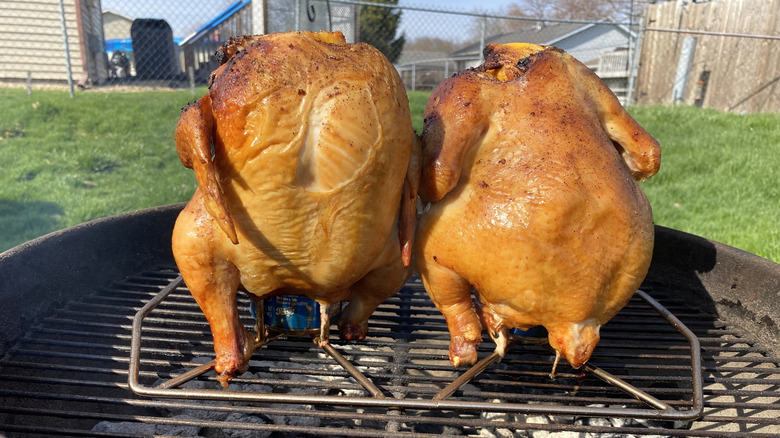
{"x":590,"y":47}
{"x":116,"y":26}
{"x":31,"y":41}
{"x":588,"y":44}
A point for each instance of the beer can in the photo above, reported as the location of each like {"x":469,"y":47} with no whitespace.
{"x":292,"y":314}
{"x":534,"y":332}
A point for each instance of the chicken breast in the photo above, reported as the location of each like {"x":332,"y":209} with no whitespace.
{"x":302,"y":150}
{"x":529,"y":162}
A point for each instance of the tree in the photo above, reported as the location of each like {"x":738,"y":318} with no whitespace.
{"x":378,"y":25}
{"x":594,"y":10}
{"x":590,"y":10}
{"x":498,"y":26}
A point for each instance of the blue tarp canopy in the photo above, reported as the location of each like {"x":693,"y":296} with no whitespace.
{"x":123,"y":44}
{"x":216,"y":21}
{"x":126,"y":44}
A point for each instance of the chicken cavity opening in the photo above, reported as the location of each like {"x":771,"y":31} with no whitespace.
{"x":504,"y":73}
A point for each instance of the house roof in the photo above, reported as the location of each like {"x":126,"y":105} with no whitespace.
{"x":419,"y":56}
{"x":545,"y":35}
{"x":216,"y":21}
{"x":113,"y":12}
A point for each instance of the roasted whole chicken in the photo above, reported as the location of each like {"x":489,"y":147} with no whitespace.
{"x":529,"y":163}
{"x":307,"y":169}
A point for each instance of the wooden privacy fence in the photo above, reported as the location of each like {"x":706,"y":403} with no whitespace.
{"x":722,"y":54}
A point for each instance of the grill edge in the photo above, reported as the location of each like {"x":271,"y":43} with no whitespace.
{"x":55,"y":306}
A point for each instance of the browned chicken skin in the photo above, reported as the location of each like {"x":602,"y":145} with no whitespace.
{"x":529,"y":161}
{"x":302,"y":150}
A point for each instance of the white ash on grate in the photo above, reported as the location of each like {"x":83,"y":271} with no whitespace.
{"x":575,"y":421}
{"x":321,"y":379}
{"x":129,"y":427}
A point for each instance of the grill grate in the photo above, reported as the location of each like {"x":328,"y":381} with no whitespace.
{"x":68,"y":374}
{"x":429,"y":341}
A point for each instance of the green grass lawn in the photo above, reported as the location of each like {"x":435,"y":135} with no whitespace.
{"x":719,"y":177}
{"x":417,"y":102}
{"x":67,"y":161}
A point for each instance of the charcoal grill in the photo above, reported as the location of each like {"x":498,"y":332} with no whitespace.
{"x":68,"y":302}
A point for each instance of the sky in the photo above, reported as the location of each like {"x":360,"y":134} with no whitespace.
{"x":185,"y":16}
{"x":463,"y":5}
{"x":449,"y":27}
{"x":466,"y":5}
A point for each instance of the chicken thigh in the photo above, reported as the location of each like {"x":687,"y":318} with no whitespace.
{"x":307,"y":169}
{"x":529,"y":163}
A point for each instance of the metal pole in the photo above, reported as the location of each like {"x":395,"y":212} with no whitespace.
{"x":635,"y":62}
{"x":482,"y":30}
{"x":191,"y":75}
{"x":67,"y":48}
{"x":631,"y":40}
{"x":297,"y":14}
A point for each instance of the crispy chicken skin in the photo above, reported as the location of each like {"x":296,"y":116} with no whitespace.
{"x":529,"y":162}
{"x":307,"y":169}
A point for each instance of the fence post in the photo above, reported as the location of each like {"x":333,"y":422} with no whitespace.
{"x":683,"y":69}
{"x":297,"y":14}
{"x":634,"y":67}
{"x":67,"y":48}
{"x":191,"y":75}
{"x":482,"y":30}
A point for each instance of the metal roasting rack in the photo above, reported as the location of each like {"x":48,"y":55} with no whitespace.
{"x":443,"y":400}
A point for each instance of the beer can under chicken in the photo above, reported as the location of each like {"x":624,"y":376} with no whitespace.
{"x":293,"y":314}
{"x":533,"y":332}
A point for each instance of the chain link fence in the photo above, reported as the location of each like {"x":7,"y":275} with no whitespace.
{"x":172,"y":43}
{"x":151,"y":43}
